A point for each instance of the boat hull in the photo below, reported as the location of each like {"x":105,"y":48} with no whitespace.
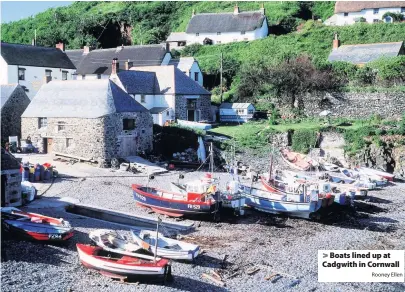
{"x":174,"y":208}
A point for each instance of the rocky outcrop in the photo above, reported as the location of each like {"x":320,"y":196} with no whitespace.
{"x":398,"y":155}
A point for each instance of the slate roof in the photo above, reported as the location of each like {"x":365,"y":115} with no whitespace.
{"x":355,"y":6}
{"x":6,"y":91}
{"x":99,"y":61}
{"x":8,"y":161}
{"x":81,"y":99}
{"x":27,"y":55}
{"x":177,"y":37}
{"x":157,"y":110}
{"x":168,"y":80}
{"x":227,"y":105}
{"x":364,"y":53}
{"x":184,"y":64}
{"x":76,"y":56}
{"x":139,"y":82}
{"x":225,"y":22}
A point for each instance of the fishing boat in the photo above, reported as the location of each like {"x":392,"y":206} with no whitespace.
{"x":344,"y":180}
{"x":105,"y":261}
{"x":297,"y":160}
{"x":279,"y":203}
{"x":175,"y":204}
{"x":34,"y":226}
{"x":114,"y":242}
{"x":386,"y":175}
{"x":166,"y":247}
{"x":356,"y":174}
{"x":328,"y":166}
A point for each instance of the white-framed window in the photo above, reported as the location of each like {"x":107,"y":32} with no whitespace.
{"x":196,"y":76}
{"x":218,"y":33}
{"x":98,"y":76}
{"x":218,"y":42}
{"x":376,"y":10}
{"x":245,"y":39}
{"x":42,"y":122}
{"x":250,"y":112}
{"x":242,"y":32}
{"x":61,"y":126}
{"x":83,"y":76}
{"x":235,"y":40}
{"x":48,"y":73}
{"x":21,"y":73}
{"x":143,"y":99}
{"x":64,"y":75}
{"x":69,"y":142}
{"x":345,"y":14}
{"x":197,"y":34}
{"x":167,"y":113}
{"x":376,"y":20}
{"x":402,"y":9}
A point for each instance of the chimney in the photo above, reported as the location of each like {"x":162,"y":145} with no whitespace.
{"x":86,"y":50}
{"x":115,"y":67}
{"x":193,"y":13}
{"x":262,"y":10}
{"x":336,"y":42}
{"x":167,"y":47}
{"x":128,"y":65}
{"x":60,"y":46}
{"x":236,"y":9}
{"x":47,"y":79}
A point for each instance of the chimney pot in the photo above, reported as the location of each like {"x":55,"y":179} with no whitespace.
{"x":236,"y":9}
{"x":86,"y":50}
{"x":60,"y":46}
{"x":47,"y":79}
{"x":128,"y":65}
{"x":114,"y":66}
{"x":167,"y":47}
{"x":336,"y":42}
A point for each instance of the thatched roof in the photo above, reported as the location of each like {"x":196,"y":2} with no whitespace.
{"x":356,"y":6}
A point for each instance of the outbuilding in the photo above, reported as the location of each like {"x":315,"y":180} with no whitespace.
{"x":236,"y":112}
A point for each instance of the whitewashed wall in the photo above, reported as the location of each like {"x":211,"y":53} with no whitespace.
{"x":229,"y":37}
{"x":368,"y":14}
{"x":34,"y":76}
{"x":3,"y":71}
{"x":196,"y":69}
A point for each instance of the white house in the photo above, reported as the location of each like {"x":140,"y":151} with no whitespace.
{"x":190,"y":67}
{"x":222,"y":28}
{"x":236,"y":112}
{"x":350,"y":12}
{"x":166,"y":92}
{"x":96,"y":64}
{"x":32,"y":66}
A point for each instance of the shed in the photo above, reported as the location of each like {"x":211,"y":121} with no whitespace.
{"x":236,"y":112}
{"x":10,"y":180}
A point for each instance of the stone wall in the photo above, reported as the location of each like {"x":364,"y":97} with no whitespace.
{"x":355,"y":105}
{"x":11,"y":114}
{"x":203,"y":104}
{"x":92,"y":139}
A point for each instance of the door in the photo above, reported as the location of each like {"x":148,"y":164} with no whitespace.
{"x":190,"y":115}
{"x":49,"y":145}
{"x":128,"y":146}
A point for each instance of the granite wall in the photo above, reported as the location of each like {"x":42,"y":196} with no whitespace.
{"x":203,"y":104}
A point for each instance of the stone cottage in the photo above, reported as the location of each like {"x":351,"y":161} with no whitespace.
{"x":14,"y":101}
{"x":10,"y":180}
{"x":166,"y":92}
{"x":92,"y":120}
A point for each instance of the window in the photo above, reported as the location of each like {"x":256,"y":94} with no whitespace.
{"x":21,"y":73}
{"x":235,"y":40}
{"x":42,"y":122}
{"x":242,"y":32}
{"x":250,"y":112}
{"x":376,"y":20}
{"x":245,"y":39}
{"x":197,"y":34}
{"x":98,"y":76}
{"x":143,"y":98}
{"x":69,"y":142}
{"x":83,"y":76}
{"x":376,"y":10}
{"x":218,"y":42}
{"x":345,"y":14}
{"x":61,"y":126}
{"x":402,"y":9}
{"x":218,"y":33}
{"x":167,"y":113}
{"x":48,"y":73}
{"x":196,"y":76}
{"x":64,"y":75}
{"x":128,"y":124}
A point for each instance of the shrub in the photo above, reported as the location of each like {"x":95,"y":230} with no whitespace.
{"x":344,"y":71}
{"x":303,"y":140}
{"x":365,"y":76}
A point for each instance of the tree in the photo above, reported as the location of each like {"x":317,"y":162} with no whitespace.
{"x":286,"y":81}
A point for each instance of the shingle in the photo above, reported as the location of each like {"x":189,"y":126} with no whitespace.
{"x":227,"y":105}
{"x":76,"y":56}
{"x":26,"y":55}
{"x":99,"y":61}
{"x":364,"y":53}
{"x":225,"y":22}
{"x":356,"y":6}
{"x":139,"y":82}
{"x":6,"y":91}
{"x":81,"y":99}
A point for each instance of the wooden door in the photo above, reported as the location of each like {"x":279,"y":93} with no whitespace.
{"x":49,"y":145}
{"x":128,"y":146}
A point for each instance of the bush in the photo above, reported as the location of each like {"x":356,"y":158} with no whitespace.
{"x":365,"y":76}
{"x":355,"y":139}
{"x":303,"y":140}
{"x":344,"y":71}
{"x":390,"y":70}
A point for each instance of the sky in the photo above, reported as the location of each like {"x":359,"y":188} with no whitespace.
{"x":16,"y":10}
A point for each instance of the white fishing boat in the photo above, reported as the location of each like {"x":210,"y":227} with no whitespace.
{"x":165,"y":247}
{"x":356,"y":174}
{"x":386,"y":175}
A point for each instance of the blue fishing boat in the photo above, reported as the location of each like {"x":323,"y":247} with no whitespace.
{"x":176,"y":204}
{"x":279,"y":203}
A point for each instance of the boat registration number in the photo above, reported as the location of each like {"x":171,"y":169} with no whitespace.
{"x":193,"y":206}
{"x":55,"y":236}
{"x":140,"y":197}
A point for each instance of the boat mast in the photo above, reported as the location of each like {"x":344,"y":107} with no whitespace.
{"x":157,"y":237}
